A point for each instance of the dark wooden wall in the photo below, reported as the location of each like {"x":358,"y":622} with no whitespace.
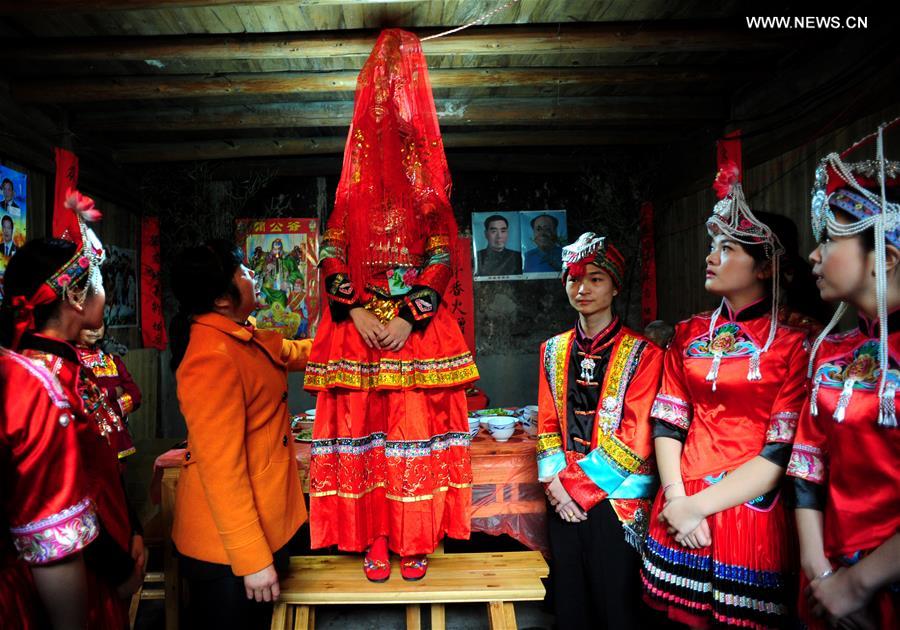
{"x":780,"y":185}
{"x":120,"y":226}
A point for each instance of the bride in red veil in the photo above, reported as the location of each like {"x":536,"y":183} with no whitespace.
{"x":390,"y":461}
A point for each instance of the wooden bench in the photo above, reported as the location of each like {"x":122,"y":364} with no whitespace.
{"x":497,"y":579}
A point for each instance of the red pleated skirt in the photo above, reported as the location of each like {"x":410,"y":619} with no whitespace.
{"x":745,"y":578}
{"x":390,"y":452}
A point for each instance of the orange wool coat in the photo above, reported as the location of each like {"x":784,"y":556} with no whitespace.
{"x":238,"y":497}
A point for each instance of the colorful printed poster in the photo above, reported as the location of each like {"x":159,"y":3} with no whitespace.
{"x":283,"y":254}
{"x":13,"y":195}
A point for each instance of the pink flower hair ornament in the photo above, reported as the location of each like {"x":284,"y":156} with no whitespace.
{"x":83,"y":205}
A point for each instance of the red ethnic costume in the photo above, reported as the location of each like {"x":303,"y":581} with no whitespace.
{"x":733,"y":387}
{"x":47,"y":513}
{"x":594,"y":431}
{"x":110,"y":373}
{"x":847,"y":450}
{"x":108,"y":559}
{"x":390,"y":442}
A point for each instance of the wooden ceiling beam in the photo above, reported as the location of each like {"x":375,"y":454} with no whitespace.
{"x":87,"y":90}
{"x":451,"y":112}
{"x":96,"y":6}
{"x":266,"y":147}
{"x":505,"y":40}
{"x":541,"y":160}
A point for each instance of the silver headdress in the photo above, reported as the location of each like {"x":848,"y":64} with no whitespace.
{"x":847,"y":186}
{"x":732,"y":216}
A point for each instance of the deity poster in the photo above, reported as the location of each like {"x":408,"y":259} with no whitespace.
{"x":283,"y":254}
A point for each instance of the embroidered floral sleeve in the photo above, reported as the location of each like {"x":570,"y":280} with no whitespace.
{"x":782,"y":426}
{"x":672,"y":410}
{"x":342,"y":294}
{"x":809,"y":458}
{"x":333,"y":251}
{"x":807,"y":467}
{"x":422,"y":301}
{"x":46,"y":508}
{"x":786,"y":408}
{"x":56,"y":536}
{"x":436,"y":270}
{"x":807,"y":462}
{"x":672,"y":405}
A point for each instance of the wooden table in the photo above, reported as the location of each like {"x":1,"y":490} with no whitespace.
{"x":506,"y":498}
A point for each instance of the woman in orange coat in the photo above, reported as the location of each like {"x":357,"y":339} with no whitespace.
{"x":238,"y":501}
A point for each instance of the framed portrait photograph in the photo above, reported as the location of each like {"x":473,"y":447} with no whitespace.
{"x":543,"y":234}
{"x":496,"y":245}
{"x":13,"y":195}
{"x":283,"y":254}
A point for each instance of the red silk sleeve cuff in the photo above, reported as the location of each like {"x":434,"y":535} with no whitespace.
{"x":422,"y":303}
{"x":340,"y":289}
{"x":126,"y":404}
{"x":580,"y":487}
{"x":435,"y":277}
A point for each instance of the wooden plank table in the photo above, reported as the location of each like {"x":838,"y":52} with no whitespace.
{"x":506,"y":498}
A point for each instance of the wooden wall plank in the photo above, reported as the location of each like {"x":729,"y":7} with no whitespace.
{"x":780,"y":185}
{"x":451,"y":112}
{"x":85,"y":90}
{"x":260,"y":147}
{"x":143,"y":365}
{"x":515,"y":40}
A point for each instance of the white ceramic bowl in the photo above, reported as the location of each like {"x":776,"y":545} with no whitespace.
{"x":310,"y":412}
{"x":501,"y":427}
{"x":528,"y":411}
{"x":474,"y":426}
{"x":499,"y":421}
{"x":501,"y":434}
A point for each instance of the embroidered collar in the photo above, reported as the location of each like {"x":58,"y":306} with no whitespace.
{"x":761,"y":307}
{"x":589,"y":344}
{"x":870,"y":328}
{"x":50,"y":345}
